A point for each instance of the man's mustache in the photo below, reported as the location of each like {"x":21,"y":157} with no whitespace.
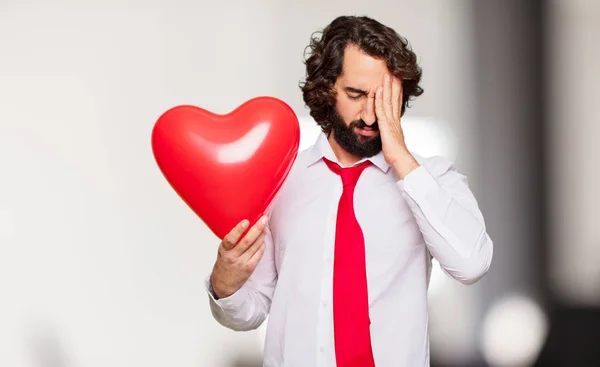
{"x":362,"y":125}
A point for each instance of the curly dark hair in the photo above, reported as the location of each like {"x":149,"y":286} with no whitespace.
{"x":326,"y":61}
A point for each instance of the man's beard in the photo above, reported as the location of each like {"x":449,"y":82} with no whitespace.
{"x":355,"y":144}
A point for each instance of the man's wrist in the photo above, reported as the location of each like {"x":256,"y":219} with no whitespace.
{"x":404,"y":164}
{"x":216,"y":294}
{"x":219,"y":292}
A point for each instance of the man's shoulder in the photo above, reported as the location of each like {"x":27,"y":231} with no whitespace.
{"x":294,"y":178}
{"x":304,"y":155}
{"x":299,"y":167}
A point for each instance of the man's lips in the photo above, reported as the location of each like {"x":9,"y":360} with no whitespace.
{"x":366,"y":132}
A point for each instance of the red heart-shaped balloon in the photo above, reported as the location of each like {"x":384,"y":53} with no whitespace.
{"x":227,"y":167}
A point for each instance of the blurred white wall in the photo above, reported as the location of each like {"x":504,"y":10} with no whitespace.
{"x":98,"y":255}
{"x":574,"y":116}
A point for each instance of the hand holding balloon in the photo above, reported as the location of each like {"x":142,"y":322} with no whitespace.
{"x":238,"y":257}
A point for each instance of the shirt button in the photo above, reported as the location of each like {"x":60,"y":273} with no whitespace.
{"x":322,"y":349}
{"x":323,"y":304}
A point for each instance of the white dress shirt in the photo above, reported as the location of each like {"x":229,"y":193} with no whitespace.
{"x":431,"y":212}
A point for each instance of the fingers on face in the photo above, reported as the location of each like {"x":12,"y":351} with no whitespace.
{"x":388,"y":98}
{"x":379,"y":104}
{"x":396,"y":97}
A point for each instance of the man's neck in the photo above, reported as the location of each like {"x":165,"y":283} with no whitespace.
{"x":346,"y":159}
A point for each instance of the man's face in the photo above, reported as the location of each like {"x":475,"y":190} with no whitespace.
{"x":354,"y":123}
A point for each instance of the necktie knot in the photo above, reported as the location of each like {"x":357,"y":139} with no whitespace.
{"x":349,"y":175}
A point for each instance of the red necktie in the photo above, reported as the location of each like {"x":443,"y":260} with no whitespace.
{"x":350,"y":297}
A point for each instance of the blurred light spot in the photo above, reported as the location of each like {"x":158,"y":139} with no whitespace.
{"x":429,"y":137}
{"x":514,"y":331}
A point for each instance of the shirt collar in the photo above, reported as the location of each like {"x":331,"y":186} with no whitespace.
{"x":322,"y":149}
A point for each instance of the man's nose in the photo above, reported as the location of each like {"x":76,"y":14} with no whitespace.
{"x":368,"y":113}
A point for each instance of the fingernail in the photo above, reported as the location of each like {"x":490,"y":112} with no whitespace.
{"x":245,"y":224}
{"x":263,"y":220}
{"x":387,"y":77}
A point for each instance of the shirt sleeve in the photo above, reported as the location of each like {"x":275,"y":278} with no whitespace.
{"x":248,"y":308}
{"x":449,"y":218}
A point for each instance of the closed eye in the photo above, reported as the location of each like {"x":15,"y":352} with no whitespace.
{"x":355,"y":93}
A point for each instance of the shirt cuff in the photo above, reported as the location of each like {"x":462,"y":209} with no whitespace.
{"x":227,"y":303}
{"x":419,"y":184}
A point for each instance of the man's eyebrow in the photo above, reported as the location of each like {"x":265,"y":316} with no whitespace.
{"x":355,"y":90}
